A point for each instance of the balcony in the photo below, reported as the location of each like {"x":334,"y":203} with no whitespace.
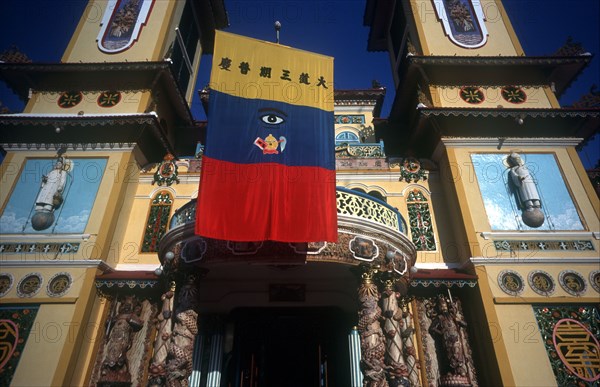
{"x":369,"y":230}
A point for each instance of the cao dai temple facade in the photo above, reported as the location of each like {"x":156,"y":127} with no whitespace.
{"x":467,"y":229}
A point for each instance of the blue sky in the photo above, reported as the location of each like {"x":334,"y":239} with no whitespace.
{"x":42,"y":28}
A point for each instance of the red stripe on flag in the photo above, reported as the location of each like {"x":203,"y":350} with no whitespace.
{"x":254,"y":202}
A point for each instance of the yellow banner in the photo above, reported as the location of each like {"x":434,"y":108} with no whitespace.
{"x":250,"y":68}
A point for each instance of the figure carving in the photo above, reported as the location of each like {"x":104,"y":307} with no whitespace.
{"x":115,"y":367}
{"x":410,"y":353}
{"x":528,"y":196}
{"x":158,"y":369}
{"x":392,"y":328}
{"x":446,"y":326}
{"x":372,"y":343}
{"x":50,"y":196}
{"x":185,"y":328}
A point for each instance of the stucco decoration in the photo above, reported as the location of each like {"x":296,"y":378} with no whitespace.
{"x":463,"y":22}
{"x":511,"y":282}
{"x":572,"y":282}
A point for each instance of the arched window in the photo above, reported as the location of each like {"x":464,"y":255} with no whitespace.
{"x":421,"y":227}
{"x":378,"y":195}
{"x":158,"y":219}
{"x":346,"y":137}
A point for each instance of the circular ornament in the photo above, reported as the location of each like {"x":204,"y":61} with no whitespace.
{"x":109,"y":99}
{"x":541,"y":282}
{"x":472,"y":94}
{"x":572,"y":282}
{"x":166,"y":173}
{"x":511,"y":282}
{"x":513,"y":94}
{"x":59,"y":284}
{"x":6,"y":282}
{"x":68,"y":99}
{"x":576,"y":346}
{"x":595,"y":280}
{"x":29,"y":285}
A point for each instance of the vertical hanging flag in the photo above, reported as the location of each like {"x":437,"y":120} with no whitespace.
{"x":268,"y":170}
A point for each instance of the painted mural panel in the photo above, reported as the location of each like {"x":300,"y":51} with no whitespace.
{"x":53,"y":196}
{"x":122,"y":23}
{"x":463,"y":21}
{"x":524,"y":192}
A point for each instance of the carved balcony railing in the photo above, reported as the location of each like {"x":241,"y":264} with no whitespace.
{"x":350,"y":203}
{"x":365,"y":207}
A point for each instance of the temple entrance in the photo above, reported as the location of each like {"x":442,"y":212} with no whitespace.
{"x":289,"y":347}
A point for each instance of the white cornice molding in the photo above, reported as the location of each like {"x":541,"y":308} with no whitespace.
{"x":75,"y":263}
{"x":509,"y":142}
{"x":528,"y":261}
{"x":72,"y":147}
{"x":369,"y":176}
{"x":495,"y":235}
{"x":16,"y":238}
{"x":149,"y":267}
{"x":438,"y":266}
{"x":75,"y":115}
{"x":356,"y":109}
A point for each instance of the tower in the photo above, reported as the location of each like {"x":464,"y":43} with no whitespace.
{"x":117,"y":101}
{"x":487,"y":114}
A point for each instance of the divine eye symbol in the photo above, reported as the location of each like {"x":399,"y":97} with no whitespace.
{"x":271,"y":119}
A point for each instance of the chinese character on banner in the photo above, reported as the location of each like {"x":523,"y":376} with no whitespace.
{"x":268,"y":171}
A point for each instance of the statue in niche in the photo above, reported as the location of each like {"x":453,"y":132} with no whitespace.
{"x":185,"y":328}
{"x":50,"y":197}
{"x":392,"y":329}
{"x":164,"y":329}
{"x":127,"y":321}
{"x":524,"y":186}
{"x":446,"y":324}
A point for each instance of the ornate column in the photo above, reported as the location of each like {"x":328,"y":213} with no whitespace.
{"x":177,"y":324}
{"x":180,"y":347}
{"x":157,"y":374}
{"x":410,"y":352}
{"x":392,"y":328}
{"x":371,"y":335}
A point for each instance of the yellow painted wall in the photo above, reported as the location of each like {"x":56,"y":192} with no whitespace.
{"x":501,"y":39}
{"x":60,"y":329}
{"x":525,"y":346}
{"x":151,"y":44}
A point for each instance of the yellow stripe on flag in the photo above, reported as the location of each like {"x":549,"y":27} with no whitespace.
{"x":251,"y":68}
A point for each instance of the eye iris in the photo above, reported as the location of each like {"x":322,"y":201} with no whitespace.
{"x":271,"y":119}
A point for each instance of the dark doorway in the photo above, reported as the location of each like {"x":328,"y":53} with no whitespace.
{"x":289,"y":347}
